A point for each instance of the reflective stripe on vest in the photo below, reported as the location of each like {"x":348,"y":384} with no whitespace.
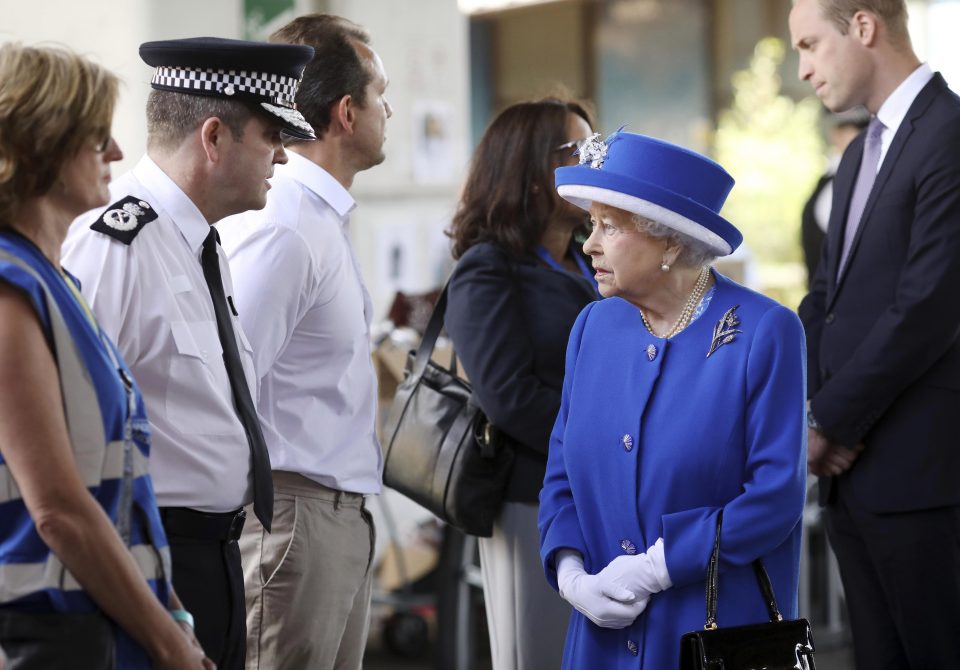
{"x":18,"y":580}
{"x":111,"y":467}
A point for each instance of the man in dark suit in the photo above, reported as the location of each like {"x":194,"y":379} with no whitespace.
{"x":883,"y":334}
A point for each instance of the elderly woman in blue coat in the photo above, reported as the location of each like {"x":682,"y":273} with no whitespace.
{"x":683,"y":398}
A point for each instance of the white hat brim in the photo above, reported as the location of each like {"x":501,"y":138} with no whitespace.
{"x":584,"y":196}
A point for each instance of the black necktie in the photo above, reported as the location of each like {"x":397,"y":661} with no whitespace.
{"x":262,"y":479}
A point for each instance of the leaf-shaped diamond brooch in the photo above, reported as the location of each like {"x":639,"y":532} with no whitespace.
{"x":726,"y":330}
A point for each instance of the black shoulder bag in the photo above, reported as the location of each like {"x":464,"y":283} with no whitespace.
{"x":440,"y":450}
{"x":776,"y":645}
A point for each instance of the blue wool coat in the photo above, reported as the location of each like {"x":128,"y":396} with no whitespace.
{"x":654,"y":442}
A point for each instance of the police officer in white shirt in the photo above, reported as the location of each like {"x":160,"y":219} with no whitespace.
{"x":152,"y":270}
{"x":308,"y":318}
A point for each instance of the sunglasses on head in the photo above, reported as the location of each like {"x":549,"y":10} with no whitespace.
{"x":572,"y":144}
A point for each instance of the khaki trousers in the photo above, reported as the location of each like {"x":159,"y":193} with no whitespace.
{"x":308,"y":582}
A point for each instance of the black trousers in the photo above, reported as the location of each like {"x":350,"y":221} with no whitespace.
{"x":44,"y":640}
{"x":208,"y":578}
{"x":901,"y":579}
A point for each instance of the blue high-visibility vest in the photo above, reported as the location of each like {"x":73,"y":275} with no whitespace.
{"x":110,"y":437}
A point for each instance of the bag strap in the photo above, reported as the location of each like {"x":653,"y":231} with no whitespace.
{"x":433,"y":329}
{"x":713,"y":574}
{"x":711,"y":623}
{"x":431,"y":334}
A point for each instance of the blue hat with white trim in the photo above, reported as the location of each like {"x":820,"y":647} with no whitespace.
{"x":657,"y":180}
{"x":264,"y":76}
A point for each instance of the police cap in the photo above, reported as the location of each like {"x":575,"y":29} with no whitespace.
{"x":264,"y":75}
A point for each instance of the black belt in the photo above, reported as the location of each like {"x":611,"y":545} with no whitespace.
{"x":189,"y":523}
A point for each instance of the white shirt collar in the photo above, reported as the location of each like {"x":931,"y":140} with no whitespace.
{"x":319,"y":181}
{"x":895,"y":107}
{"x":172,"y":200}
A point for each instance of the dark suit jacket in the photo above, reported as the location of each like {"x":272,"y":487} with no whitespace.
{"x":884,"y":342}
{"x":509,"y":320}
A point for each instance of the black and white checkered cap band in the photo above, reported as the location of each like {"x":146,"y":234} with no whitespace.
{"x":275,"y":88}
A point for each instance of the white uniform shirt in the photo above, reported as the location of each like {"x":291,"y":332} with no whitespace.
{"x":305,"y":308}
{"x":151,"y":298}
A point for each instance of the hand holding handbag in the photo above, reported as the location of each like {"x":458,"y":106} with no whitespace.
{"x":776,"y":645}
{"x":440,"y":449}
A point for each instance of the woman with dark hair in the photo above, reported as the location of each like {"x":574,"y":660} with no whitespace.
{"x":519,"y":284}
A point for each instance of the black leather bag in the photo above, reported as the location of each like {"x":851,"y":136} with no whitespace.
{"x":441,"y":451}
{"x":777,"y":645}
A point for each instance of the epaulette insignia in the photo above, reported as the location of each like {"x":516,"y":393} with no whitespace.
{"x":123,"y":219}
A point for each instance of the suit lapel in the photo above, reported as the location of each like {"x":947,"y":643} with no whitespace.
{"x":917,"y":109}
{"x":842,"y":192}
{"x":887,"y":167}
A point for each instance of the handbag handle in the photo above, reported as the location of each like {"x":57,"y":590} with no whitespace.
{"x":763,"y":580}
{"x":430,"y":336}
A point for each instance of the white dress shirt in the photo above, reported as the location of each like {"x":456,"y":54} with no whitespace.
{"x":151,"y":297}
{"x":894,"y":109}
{"x":824,"y":201}
{"x":305,"y":308}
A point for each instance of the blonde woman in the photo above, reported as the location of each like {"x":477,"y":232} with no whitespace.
{"x":84,"y":563}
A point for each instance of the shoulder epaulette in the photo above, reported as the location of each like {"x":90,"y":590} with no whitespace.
{"x":123,"y":219}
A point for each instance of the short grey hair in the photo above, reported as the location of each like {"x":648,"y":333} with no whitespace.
{"x":693,"y":252}
{"x":171,"y":116}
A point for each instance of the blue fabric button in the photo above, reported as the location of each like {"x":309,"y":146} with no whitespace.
{"x":632,"y":647}
{"x":628,"y":547}
{"x":627,"y":441}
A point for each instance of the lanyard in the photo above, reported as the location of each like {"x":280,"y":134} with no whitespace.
{"x":585,"y":269}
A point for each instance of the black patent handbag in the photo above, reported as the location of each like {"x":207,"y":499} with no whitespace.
{"x":439,"y":448}
{"x":775,"y":645}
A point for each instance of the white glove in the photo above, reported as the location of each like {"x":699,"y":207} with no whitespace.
{"x":583,"y":592}
{"x":639,"y":576}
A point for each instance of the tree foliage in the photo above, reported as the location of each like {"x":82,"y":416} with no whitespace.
{"x":773,"y":147}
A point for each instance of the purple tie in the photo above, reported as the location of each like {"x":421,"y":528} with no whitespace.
{"x":861,"y":190}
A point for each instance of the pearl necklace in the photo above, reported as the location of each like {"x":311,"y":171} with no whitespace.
{"x":696,"y":295}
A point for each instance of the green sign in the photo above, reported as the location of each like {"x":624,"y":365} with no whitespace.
{"x":260,"y":14}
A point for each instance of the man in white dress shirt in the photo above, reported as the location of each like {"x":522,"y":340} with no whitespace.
{"x":152,"y":271}
{"x":305,"y":308}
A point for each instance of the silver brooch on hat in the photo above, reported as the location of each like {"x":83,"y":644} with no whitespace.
{"x":593,"y":151}
{"x":726,"y":330}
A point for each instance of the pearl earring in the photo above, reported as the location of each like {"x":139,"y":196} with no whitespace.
{"x":665,"y":267}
